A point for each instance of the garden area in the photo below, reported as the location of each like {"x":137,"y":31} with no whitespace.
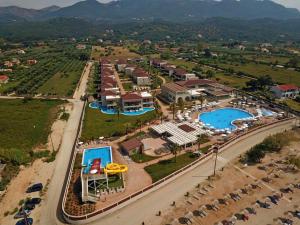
{"x":25,"y":125}
{"x":166,"y":167}
{"x":97,"y":124}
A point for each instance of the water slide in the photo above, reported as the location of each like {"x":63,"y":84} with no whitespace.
{"x":113,"y":168}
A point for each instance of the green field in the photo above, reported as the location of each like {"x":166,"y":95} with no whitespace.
{"x":166,"y":167}
{"x":57,"y":72}
{"x":278,"y":74}
{"x":97,"y":124}
{"x":25,"y":125}
{"x":293,"y":104}
{"x":233,"y":81}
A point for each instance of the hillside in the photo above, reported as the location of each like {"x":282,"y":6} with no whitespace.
{"x":150,"y":10}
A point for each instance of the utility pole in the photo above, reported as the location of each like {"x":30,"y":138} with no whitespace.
{"x":215,"y":150}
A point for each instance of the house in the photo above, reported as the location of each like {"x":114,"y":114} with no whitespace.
{"x":285,"y":91}
{"x":173,"y":92}
{"x":109,"y":99}
{"x":3,"y":79}
{"x":131,"y":102}
{"x":132,"y":146}
{"x":6,"y":70}
{"x":8,"y":64}
{"x":32,"y":61}
{"x":121,"y":65}
{"x":147,"y":100}
{"x":20,"y":51}
{"x":16,"y":61}
{"x":129,"y":70}
{"x":182,"y":74}
{"x":141,"y":77}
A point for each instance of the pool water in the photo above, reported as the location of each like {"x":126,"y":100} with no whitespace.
{"x":223,"y":118}
{"x":266,"y":112}
{"x":104,"y":153}
{"x":96,"y":105}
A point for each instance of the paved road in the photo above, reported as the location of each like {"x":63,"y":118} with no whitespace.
{"x":50,"y":208}
{"x":145,"y":208}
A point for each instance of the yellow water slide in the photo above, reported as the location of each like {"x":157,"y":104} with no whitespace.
{"x":113,"y":168}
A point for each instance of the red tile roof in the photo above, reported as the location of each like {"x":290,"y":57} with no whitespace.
{"x":3,"y":77}
{"x":131,"y":96}
{"x":131,"y":144}
{"x":180,"y":72}
{"x":287,"y":87}
{"x":187,"y":83}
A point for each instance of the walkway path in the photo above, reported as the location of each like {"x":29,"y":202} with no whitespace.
{"x":122,"y":90}
{"x":163,"y":197}
{"x":51,"y":206}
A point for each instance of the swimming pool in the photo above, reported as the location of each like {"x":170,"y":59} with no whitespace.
{"x":266,"y":112}
{"x":96,"y":105}
{"x":104,"y":153}
{"x":223,"y":118}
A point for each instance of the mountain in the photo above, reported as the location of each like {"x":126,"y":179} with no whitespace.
{"x":168,"y":10}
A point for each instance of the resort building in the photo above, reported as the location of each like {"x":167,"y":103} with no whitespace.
{"x":194,"y":89}
{"x":109,"y":95}
{"x":286,"y":91}
{"x":141,"y":77}
{"x":121,"y":65}
{"x":182,"y":74}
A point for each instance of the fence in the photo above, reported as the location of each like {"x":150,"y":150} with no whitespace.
{"x":130,"y":197}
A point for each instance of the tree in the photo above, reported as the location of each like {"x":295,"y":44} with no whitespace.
{"x":199,"y":140}
{"x":173,"y":108}
{"x":209,"y":73}
{"x":201,"y":98}
{"x":160,"y":115}
{"x":255,"y":154}
{"x":181,"y":104}
{"x":118,"y":109}
{"x":139,"y":124}
{"x":174,"y":150}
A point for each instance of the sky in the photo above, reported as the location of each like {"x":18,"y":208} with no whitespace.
{"x":37,"y":4}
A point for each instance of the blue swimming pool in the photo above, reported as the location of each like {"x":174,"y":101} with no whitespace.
{"x":223,"y":118}
{"x":104,"y":153}
{"x":96,"y":105}
{"x":266,"y":112}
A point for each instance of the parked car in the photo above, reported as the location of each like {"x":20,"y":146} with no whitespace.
{"x":34,"y":201}
{"x":35,"y":187}
{"x":23,"y":222}
{"x":22,"y":213}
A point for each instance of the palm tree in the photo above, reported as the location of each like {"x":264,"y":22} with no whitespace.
{"x":201,"y":100}
{"x":173,"y":108}
{"x":199,"y":140}
{"x":160,"y":115}
{"x":174,"y":150}
{"x":139,"y":124}
{"x":127,"y":127}
{"x":118,"y":109}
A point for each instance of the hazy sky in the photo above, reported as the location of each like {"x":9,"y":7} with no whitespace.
{"x":44,"y":3}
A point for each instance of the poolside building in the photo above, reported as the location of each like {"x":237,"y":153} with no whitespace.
{"x":286,"y":91}
{"x":141,"y":77}
{"x":193,"y":89}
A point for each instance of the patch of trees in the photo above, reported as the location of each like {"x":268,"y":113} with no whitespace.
{"x":271,"y":144}
{"x":261,"y":83}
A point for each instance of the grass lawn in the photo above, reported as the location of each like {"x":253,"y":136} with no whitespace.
{"x":25,"y":125}
{"x":97,"y":124}
{"x":166,"y":167}
{"x":127,"y":86}
{"x":141,"y":158}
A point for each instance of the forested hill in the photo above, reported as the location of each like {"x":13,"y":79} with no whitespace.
{"x":149,"y":10}
{"x":213,"y":29}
